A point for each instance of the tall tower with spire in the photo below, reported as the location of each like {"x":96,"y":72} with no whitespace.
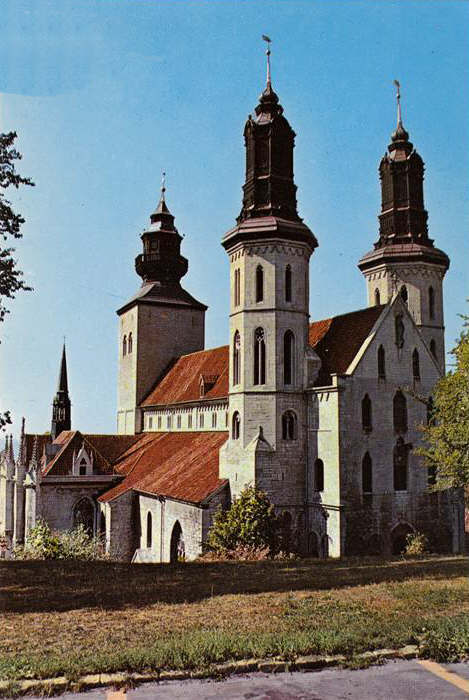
{"x":61,"y":405}
{"x":160,"y":322}
{"x":269,"y":251}
{"x":404,"y":258}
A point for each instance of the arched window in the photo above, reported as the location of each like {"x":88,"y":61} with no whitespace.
{"x":416,"y":364}
{"x":259,"y":283}
{"x":433,"y":348}
{"x":288,"y":357}
{"x":366,"y":414}
{"x":399,"y":331}
{"x":400,"y":412}
{"x":149,"y":530}
{"x":288,"y":280}
{"x":130,"y":343}
{"x":288,"y":426}
{"x":377,"y":297}
{"x":236,"y":357}
{"x":237,"y":287}
{"x":236,"y":426}
{"x":400,"y":459}
{"x":404,"y":294}
{"x":319,"y":475}
{"x":381,"y":363}
{"x":431,"y":302}
{"x":367,"y":474}
{"x":124,"y":345}
{"x":259,"y":356}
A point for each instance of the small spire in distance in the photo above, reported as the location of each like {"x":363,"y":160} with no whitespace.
{"x":267,"y":53}
{"x":63,"y":381}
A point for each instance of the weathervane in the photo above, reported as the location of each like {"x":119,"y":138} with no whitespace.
{"x":163,"y":186}
{"x":398,"y":98}
{"x":267,"y":53}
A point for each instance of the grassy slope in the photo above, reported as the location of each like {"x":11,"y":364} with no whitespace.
{"x":72,"y":618}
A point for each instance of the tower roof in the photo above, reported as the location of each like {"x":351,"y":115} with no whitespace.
{"x":269,"y":207}
{"x":403,"y":228}
{"x":62,"y":384}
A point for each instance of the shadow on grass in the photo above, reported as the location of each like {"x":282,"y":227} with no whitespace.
{"x":40,"y":586}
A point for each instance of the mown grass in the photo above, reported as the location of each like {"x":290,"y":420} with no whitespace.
{"x":65,"y":618}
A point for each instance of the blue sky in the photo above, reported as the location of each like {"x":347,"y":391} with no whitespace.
{"x":106,"y":95}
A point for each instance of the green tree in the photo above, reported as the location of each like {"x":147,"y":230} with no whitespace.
{"x":249,"y":522}
{"x":446,"y":437}
{"x":11,"y":278}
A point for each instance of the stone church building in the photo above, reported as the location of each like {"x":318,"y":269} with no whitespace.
{"x":322,"y":415}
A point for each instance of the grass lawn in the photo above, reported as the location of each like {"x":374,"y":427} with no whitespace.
{"x":69,"y":618}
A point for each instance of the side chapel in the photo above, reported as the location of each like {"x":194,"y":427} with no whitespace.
{"x":323,"y":416}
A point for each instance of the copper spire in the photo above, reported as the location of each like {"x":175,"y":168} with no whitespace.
{"x":267,"y":53}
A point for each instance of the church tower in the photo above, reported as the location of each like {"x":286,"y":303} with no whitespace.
{"x":160,"y":323}
{"x":269,"y":251}
{"x":404,"y":258}
{"x":61,"y":405}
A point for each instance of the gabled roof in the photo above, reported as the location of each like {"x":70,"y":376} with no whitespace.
{"x":106,"y":449}
{"x":337,"y":340}
{"x":182,"y":383}
{"x":183,"y":466}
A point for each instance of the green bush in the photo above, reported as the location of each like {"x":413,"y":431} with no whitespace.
{"x":249,"y":526}
{"x":416,"y":544}
{"x":43,"y":543}
{"x":447,"y":642}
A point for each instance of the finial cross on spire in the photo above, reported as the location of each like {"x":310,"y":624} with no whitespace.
{"x":163,"y":186}
{"x":267,"y":53}
{"x":398,"y":98}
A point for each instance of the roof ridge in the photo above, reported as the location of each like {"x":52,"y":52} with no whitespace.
{"x":197,"y":352}
{"x":349,"y":313}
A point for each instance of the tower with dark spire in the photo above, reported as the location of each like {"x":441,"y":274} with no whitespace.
{"x":404,"y":258}
{"x":160,"y":322}
{"x":269,"y":251}
{"x":61,"y":405}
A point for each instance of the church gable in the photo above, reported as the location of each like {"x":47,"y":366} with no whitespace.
{"x":75,"y":454}
{"x":395,"y":350}
{"x":337,"y":340}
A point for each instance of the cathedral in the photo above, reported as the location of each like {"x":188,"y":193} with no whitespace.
{"x":322,"y":415}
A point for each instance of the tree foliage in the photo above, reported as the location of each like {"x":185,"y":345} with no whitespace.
{"x":250,"y":522}
{"x":446,"y":437}
{"x":11,"y":278}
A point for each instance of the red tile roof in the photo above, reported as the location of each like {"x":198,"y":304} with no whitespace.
{"x":182,"y":383}
{"x":106,"y":449}
{"x":183,"y":466}
{"x":337,"y":340}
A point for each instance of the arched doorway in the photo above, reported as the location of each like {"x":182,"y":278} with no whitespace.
{"x":399,"y":538}
{"x":83,"y":514}
{"x":313,"y":545}
{"x":177,"y":548}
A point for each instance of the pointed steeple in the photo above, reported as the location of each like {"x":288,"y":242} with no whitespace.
{"x":61,"y":406}
{"x":22,"y":449}
{"x":269,"y":189}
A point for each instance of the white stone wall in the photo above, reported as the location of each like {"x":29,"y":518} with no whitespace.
{"x":417,"y":278}
{"x":206,"y":416}
{"x":160,"y":334}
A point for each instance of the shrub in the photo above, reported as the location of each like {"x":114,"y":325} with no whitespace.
{"x":246,"y":530}
{"x":416,"y":544}
{"x":43,"y":543}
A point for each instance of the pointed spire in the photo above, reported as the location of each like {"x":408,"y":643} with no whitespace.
{"x":34,"y":463}
{"x":22,"y":450}
{"x":400,"y":137}
{"x":62,"y":384}
{"x":267,"y":53}
{"x":10,"y":452}
{"x":5,"y":451}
